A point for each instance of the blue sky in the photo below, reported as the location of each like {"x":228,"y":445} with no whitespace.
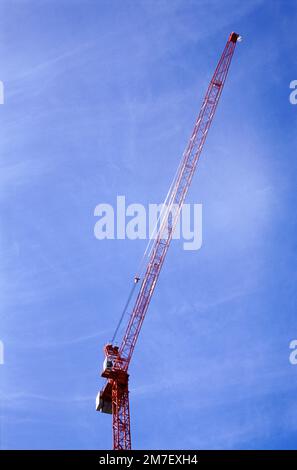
{"x":100,"y":99}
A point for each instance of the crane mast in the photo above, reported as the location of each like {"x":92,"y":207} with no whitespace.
{"x":114,"y":397}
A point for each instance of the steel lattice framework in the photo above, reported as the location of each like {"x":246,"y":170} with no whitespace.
{"x":114,"y":397}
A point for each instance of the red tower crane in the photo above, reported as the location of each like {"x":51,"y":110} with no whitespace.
{"x":114,"y":397}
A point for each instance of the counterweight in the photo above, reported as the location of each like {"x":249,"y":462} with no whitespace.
{"x":114,"y":396}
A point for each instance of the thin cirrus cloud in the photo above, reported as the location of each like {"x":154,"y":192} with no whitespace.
{"x":107,"y":111}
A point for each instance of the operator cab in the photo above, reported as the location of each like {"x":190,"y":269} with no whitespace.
{"x":107,"y":363}
{"x":111,"y":353}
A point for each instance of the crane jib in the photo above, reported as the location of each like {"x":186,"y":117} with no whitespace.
{"x":176,"y":199}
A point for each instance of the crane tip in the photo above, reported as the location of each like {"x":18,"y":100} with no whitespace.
{"x":234,"y":37}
